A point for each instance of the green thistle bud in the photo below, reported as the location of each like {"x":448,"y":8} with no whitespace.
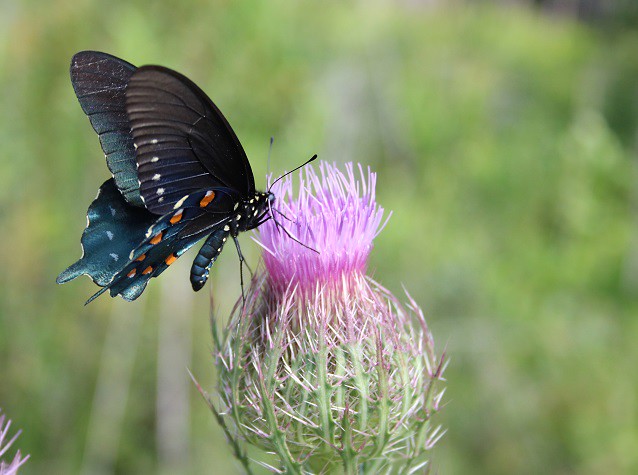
{"x":322,"y":366}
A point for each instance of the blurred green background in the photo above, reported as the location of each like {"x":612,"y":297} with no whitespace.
{"x":504,"y":135}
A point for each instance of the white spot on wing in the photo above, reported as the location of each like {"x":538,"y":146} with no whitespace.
{"x":226,"y":228}
{"x":112,"y":210}
{"x":110,"y":235}
{"x":154,"y":159}
{"x":180,"y":202}
{"x":154,"y":141}
{"x":114,"y":256}
{"x":160,"y":191}
{"x":157,"y":176}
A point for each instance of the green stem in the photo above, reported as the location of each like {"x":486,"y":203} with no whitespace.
{"x":375,"y":458}
{"x":326,"y":423}
{"x":277,"y":436}
{"x":349,"y":455}
{"x":362,"y":382}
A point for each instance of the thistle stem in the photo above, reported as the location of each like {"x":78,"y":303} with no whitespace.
{"x":323,"y":397}
{"x":349,"y":455}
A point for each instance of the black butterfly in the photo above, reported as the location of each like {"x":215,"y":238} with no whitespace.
{"x":179,"y":175}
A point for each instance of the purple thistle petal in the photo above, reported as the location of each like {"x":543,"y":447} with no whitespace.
{"x":335,"y":214}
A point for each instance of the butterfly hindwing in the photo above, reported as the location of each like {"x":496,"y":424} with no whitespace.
{"x":163,"y":242}
{"x":100,"y":82}
{"x":114,"y":229}
{"x":131,"y":281}
{"x":183,"y":141}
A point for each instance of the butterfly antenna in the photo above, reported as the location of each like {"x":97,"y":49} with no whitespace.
{"x":278,"y":225}
{"x":287,"y":233}
{"x":283,"y":216}
{"x":293,"y":170}
{"x":272,"y":139}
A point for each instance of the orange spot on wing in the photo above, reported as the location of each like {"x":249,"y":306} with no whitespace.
{"x":177,"y":217}
{"x":157,"y":238}
{"x":148,"y":270}
{"x":141,"y":258}
{"x":210,"y":195}
{"x":132,"y":273}
{"x":170,"y":259}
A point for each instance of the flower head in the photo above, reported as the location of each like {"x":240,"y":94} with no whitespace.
{"x":334,"y":215}
{"x":321,"y":365}
{"x":9,"y":468}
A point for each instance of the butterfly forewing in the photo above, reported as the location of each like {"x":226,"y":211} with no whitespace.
{"x":100,"y":81}
{"x":183,"y":142}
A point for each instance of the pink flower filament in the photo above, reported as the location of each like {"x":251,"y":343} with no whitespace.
{"x":334,"y":214}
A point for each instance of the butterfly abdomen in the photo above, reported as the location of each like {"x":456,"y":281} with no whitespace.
{"x":206,"y":257}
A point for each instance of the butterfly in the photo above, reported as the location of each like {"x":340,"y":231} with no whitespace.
{"x":179,"y":173}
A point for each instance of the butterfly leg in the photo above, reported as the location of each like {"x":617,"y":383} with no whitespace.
{"x":242,"y":260}
{"x":262,"y":221}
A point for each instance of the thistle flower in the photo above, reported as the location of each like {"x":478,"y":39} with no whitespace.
{"x":321,"y":365}
{"x":9,"y":468}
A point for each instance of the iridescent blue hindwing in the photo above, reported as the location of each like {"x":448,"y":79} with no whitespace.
{"x":163,"y":242}
{"x":124,"y":246}
{"x":131,"y":281}
{"x":114,"y":229}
